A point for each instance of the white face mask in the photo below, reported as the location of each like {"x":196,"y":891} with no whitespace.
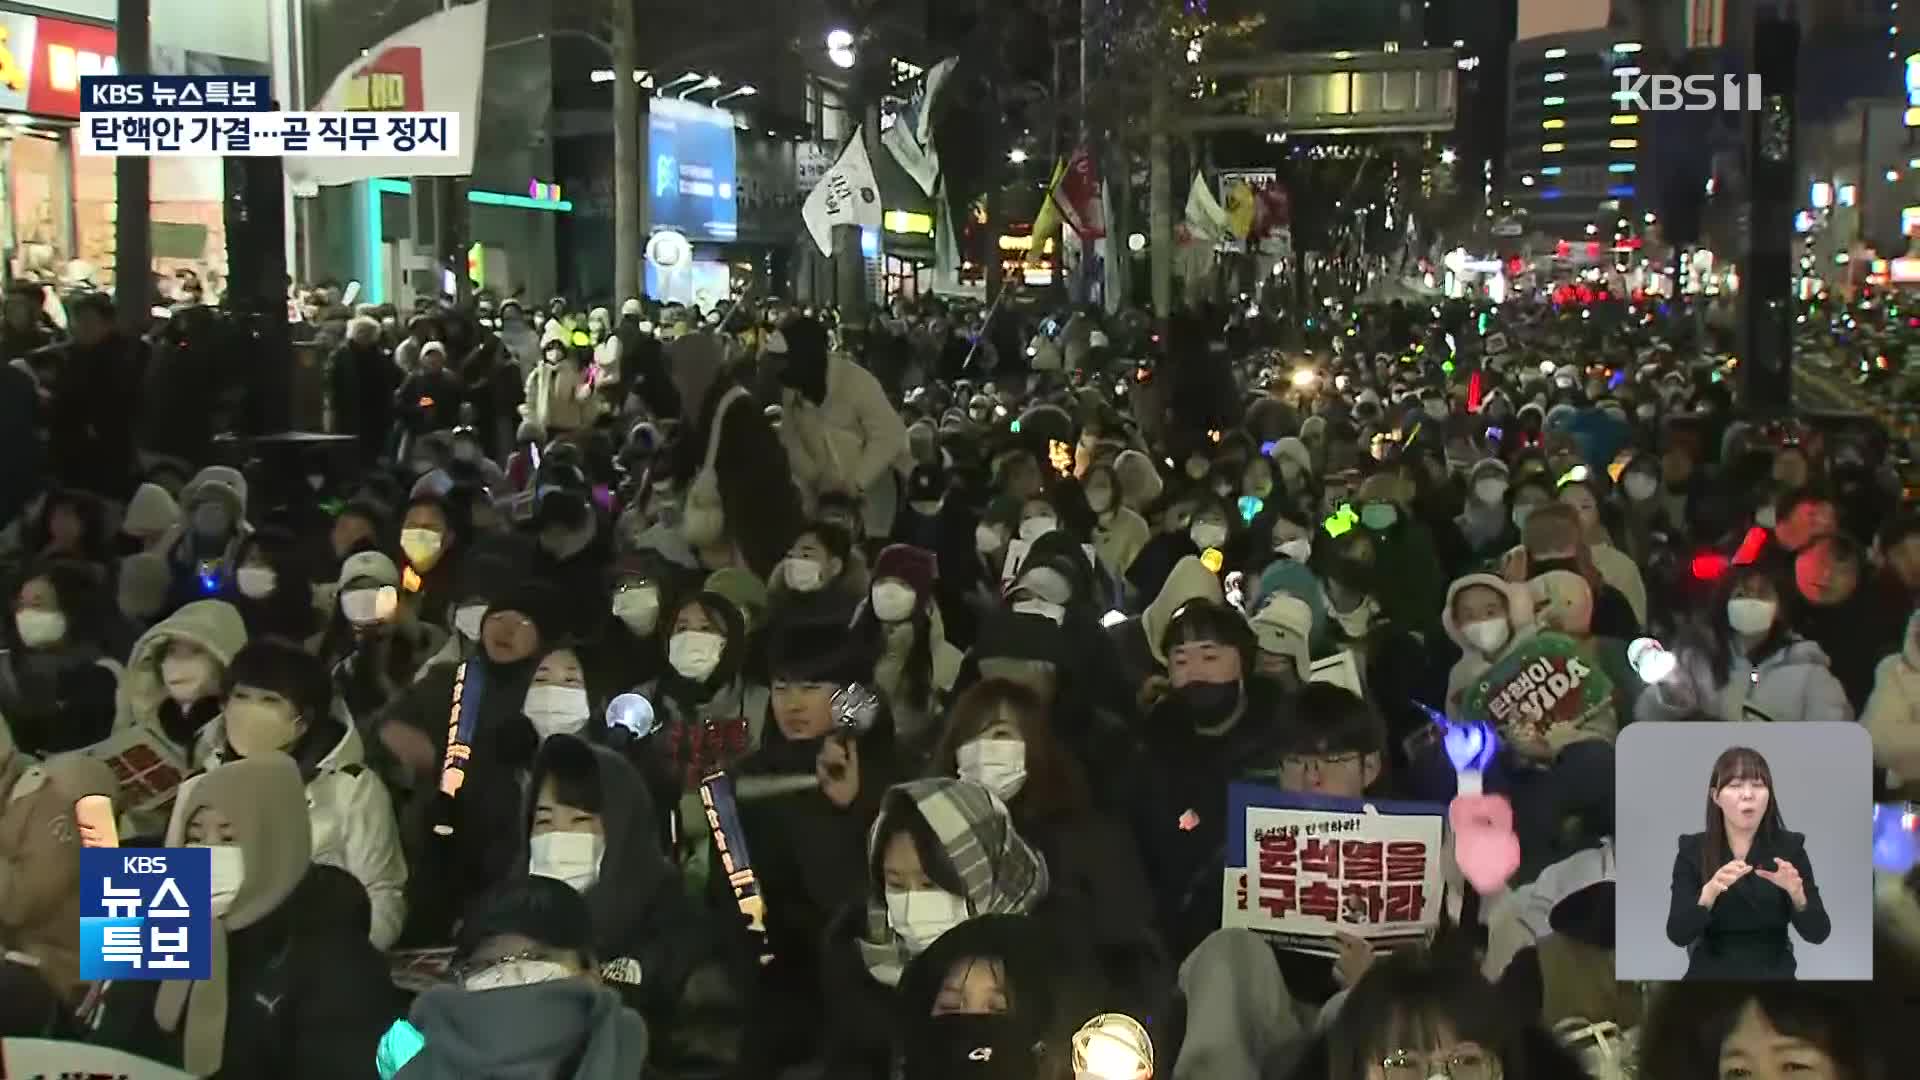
{"x":256,"y":582}
{"x":188,"y":678}
{"x":363,"y":607}
{"x":39,"y":629}
{"x":227,"y":871}
{"x":1766,"y":517}
{"x":1000,"y":765}
{"x":1749,"y":616}
{"x":1206,"y":534}
{"x":1299,"y":549}
{"x":421,"y":547}
{"x":987,"y":539}
{"x":1487,"y":635}
{"x":467,"y":620}
{"x":1490,"y":491}
{"x":527,"y":972}
{"x":1640,"y":487}
{"x":638,"y":608}
{"x":556,"y":710}
{"x":1036,"y":527}
{"x":695,"y":653}
{"x":1099,"y":500}
{"x":1055,"y":613}
{"x":893,"y":602}
{"x":1520,"y":515}
{"x":257,"y":727}
{"x":805,"y":575}
{"x":572,"y":857}
{"x":920,"y":916}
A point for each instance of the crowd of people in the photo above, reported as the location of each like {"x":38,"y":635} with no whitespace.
{"x":740,"y":694}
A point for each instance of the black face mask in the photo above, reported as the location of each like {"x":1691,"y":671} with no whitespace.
{"x":1206,"y":705}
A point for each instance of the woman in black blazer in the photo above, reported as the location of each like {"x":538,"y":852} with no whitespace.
{"x":1738,"y":885}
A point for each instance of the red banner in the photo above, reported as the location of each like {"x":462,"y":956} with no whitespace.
{"x":62,"y":52}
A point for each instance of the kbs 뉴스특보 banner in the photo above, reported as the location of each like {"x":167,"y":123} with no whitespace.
{"x":1306,"y":866}
{"x":1543,"y":684}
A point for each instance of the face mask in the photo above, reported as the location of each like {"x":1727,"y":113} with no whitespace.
{"x":1260,"y":488}
{"x":1750,"y":617}
{"x":1379,"y":516}
{"x":1490,"y":491}
{"x":1207,"y":704}
{"x":639,"y":609}
{"x":556,"y":710}
{"x":805,"y":575}
{"x":695,"y":653}
{"x":255,"y":582}
{"x":363,"y":607}
{"x":893,"y":603}
{"x":256,"y":727}
{"x":467,"y":620}
{"x":1766,"y":517}
{"x":188,"y":678}
{"x":1099,"y":499}
{"x":1299,"y":550}
{"x":211,"y":519}
{"x":572,"y":857}
{"x":1435,"y":409}
{"x":1206,"y":534}
{"x":987,"y":539}
{"x":421,"y":547}
{"x":38,"y":629}
{"x":1000,"y":765}
{"x":518,"y":973}
{"x":1357,"y":623}
{"x":1487,"y":635}
{"x":920,"y":916}
{"x":1036,"y":527}
{"x":1640,"y":487}
{"x":1520,"y":515}
{"x":227,"y":871}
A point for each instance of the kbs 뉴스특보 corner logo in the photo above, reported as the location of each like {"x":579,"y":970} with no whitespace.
{"x":146,"y":913}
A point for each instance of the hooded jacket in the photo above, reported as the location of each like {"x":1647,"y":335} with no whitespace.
{"x":557,"y":396}
{"x":354,"y":827}
{"x":1792,"y":683}
{"x":1139,"y":639}
{"x":151,"y":515}
{"x":213,"y":625}
{"x":1473,"y":663}
{"x":1892,"y":716}
{"x":567,"y":1029}
{"x":652,"y":943}
{"x":40,"y":857}
{"x":757,"y":493}
{"x":297,"y":991}
{"x":849,"y":442}
{"x":215,"y":483}
{"x":1487,"y":528}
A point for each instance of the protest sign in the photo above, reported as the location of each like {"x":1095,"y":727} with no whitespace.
{"x":1300,"y":867}
{"x":1543,"y":684}
{"x":149,"y":771}
{"x":48,"y":1059}
{"x":1340,"y":669}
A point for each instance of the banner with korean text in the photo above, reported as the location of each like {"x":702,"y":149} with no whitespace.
{"x":1304,"y":866}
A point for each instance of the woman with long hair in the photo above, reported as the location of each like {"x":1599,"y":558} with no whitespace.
{"x":1740,"y":883}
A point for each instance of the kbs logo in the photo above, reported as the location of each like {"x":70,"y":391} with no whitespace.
{"x":1693,"y":93}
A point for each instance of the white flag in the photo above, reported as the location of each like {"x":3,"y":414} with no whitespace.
{"x":433,"y":65}
{"x":1206,"y":219}
{"x":946,"y":249}
{"x":847,"y":195}
{"x":910,"y":139}
{"x":1112,"y":249}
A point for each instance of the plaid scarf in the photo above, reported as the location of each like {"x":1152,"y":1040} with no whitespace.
{"x":1001,"y":875}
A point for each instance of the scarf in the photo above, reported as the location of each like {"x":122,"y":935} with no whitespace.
{"x":1000,"y":874}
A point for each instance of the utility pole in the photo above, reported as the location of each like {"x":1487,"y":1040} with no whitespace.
{"x":628,"y":243}
{"x":1160,"y":196}
{"x":133,"y":187}
{"x":438,"y":210}
{"x":1766,"y":271}
{"x":1089,"y":10}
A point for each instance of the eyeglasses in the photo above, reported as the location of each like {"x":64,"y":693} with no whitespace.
{"x":1299,"y":763}
{"x":1472,"y":1064}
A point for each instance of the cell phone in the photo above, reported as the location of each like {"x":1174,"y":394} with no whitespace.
{"x":94,"y":813}
{"x":1495,"y":434}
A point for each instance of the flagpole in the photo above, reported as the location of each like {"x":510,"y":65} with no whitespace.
{"x":986,"y":324}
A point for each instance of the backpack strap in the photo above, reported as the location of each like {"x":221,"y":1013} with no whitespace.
{"x":734,"y":393}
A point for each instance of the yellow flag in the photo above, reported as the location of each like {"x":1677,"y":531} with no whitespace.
{"x":1047,"y":221}
{"x":1240,"y":209}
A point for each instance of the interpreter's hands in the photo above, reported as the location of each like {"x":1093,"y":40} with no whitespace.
{"x":1785,"y":875}
{"x":1723,"y":879}
{"x":410,"y":746}
{"x":1355,"y":957}
{"x":837,"y":768}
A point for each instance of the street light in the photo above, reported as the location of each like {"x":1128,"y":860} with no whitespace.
{"x":1448,"y":157}
{"x":707,"y":83}
{"x":841,"y":58}
{"x":840,"y":40}
{"x":743,"y":91}
{"x":1017,"y":156}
